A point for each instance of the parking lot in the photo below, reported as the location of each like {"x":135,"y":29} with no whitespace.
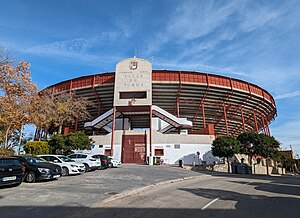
{"x":67,"y":195}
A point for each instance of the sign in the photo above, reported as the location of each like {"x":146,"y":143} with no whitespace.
{"x":133,"y":78}
{"x":133,"y":65}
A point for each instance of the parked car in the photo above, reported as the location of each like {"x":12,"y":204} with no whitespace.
{"x":38,"y":169}
{"x":68,"y":166}
{"x":11,"y":171}
{"x":89,"y":162}
{"x":103,"y":159}
{"x":113,"y":163}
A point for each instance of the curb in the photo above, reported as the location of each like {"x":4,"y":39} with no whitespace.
{"x":128,"y":193}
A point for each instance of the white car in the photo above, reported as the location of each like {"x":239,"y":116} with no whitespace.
{"x":113,"y":163}
{"x":89,"y":162}
{"x":68,"y":166}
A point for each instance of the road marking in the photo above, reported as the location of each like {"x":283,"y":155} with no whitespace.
{"x":210,"y":203}
{"x":247,"y":183}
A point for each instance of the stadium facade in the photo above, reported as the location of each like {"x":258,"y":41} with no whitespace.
{"x":141,"y":115}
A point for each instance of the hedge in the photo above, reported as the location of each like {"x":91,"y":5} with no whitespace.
{"x":36,"y":147}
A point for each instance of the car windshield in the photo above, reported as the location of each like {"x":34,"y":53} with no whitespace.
{"x":65,"y":159}
{"x":35,"y":160}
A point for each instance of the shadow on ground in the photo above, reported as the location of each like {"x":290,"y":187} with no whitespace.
{"x":246,"y":207}
{"x":282,"y":179}
{"x":249,"y":205}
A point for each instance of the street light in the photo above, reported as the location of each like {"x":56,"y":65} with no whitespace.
{"x":198,"y":153}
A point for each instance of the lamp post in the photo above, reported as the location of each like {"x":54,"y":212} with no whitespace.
{"x":198,"y":153}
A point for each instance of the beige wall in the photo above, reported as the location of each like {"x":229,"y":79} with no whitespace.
{"x":128,"y":80}
{"x":157,"y":138}
{"x":186,"y":145}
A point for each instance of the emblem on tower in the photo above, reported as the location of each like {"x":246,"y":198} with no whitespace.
{"x":133,"y":65}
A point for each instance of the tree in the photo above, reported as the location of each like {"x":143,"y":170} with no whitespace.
{"x":57,"y":144}
{"x":78,"y":141}
{"x":36,"y":148}
{"x":67,"y":108}
{"x":42,"y":112}
{"x":5,"y":57}
{"x":225,"y":146}
{"x":248,"y":141}
{"x":267,"y":147}
{"x":16,"y":92}
{"x":6,"y":152}
{"x":64,"y":144}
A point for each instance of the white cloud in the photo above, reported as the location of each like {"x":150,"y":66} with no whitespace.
{"x":77,"y":48}
{"x":196,"y":19}
{"x":193,"y":65}
{"x":288,"y":134}
{"x":287,"y":95}
{"x":255,"y":16}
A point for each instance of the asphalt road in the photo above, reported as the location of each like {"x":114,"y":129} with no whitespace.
{"x":75,"y":193}
{"x":129,"y":192}
{"x":214,"y":195}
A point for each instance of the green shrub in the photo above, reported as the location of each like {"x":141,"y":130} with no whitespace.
{"x":57,"y":144}
{"x":6,"y":152}
{"x":78,"y":141}
{"x":64,"y":144}
{"x":36,"y":147}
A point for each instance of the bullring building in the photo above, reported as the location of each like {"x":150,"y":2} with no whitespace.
{"x":140,"y":115}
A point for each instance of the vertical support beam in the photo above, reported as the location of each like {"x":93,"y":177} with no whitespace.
{"x":225,"y":118}
{"x":112,"y":133}
{"x":150,"y":141}
{"x":76,"y":123}
{"x":71,"y":86}
{"x":123,"y":123}
{"x":243,"y":120}
{"x":146,"y":142}
{"x":255,"y":121}
{"x":100,"y":107}
{"x":268,"y":128}
{"x":203,"y":115}
{"x":177,"y":106}
{"x":264,"y":125}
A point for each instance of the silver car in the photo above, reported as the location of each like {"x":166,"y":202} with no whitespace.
{"x":68,"y":166}
{"x":89,"y":162}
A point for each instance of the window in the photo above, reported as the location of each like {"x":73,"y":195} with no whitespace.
{"x":100,"y":146}
{"x":47,"y":158}
{"x":54,"y":160}
{"x":107,"y":152}
{"x":9,"y":162}
{"x":72,"y":156}
{"x":159,"y":152}
{"x":133,"y":95}
{"x":177,"y":146}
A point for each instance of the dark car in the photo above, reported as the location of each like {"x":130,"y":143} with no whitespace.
{"x":104,"y":160}
{"x":11,"y":171}
{"x":38,"y":169}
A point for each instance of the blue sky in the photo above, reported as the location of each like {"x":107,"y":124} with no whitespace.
{"x":256,"y":41}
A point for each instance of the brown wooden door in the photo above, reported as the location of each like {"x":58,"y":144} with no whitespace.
{"x":134,"y":149}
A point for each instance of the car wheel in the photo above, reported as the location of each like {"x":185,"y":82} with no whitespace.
{"x":30,"y":177}
{"x":86,"y":166}
{"x":64,"y":171}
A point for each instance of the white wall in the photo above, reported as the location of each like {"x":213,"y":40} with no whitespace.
{"x":189,"y":145}
{"x":186,"y":152}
